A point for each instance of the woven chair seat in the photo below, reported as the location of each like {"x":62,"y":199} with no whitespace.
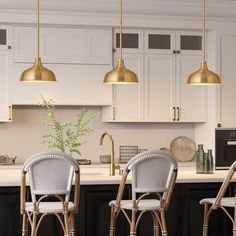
{"x":49,"y":207}
{"x":226,"y":201}
{"x":145,"y":204}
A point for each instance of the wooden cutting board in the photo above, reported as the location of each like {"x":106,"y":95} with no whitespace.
{"x":183,"y":148}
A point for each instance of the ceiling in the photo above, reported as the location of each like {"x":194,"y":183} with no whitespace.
{"x":214,"y":8}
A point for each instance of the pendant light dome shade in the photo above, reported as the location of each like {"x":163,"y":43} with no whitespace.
{"x":38,"y":73}
{"x":120,"y":75}
{"x":203,"y":76}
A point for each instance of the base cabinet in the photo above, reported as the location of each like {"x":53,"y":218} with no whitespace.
{"x":184,"y":216}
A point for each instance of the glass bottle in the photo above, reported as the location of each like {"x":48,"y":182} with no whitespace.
{"x":200,"y":159}
{"x":206,"y":164}
{"x":210,"y":161}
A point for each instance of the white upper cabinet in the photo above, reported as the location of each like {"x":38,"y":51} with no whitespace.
{"x":226,"y":104}
{"x":166,"y":59}
{"x":170,"y":57}
{"x":79,"y":58}
{"x":64,"y":45}
{"x":5,"y":58}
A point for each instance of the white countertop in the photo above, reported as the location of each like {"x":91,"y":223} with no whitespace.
{"x":99,"y":175}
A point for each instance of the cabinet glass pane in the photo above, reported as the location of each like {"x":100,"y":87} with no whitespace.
{"x":3,"y":36}
{"x":159,"y":41}
{"x":128,"y":40}
{"x":190,"y":42}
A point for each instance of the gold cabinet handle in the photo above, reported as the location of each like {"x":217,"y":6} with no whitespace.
{"x":113,"y":112}
{"x":174,"y":111}
{"x":10,"y":113}
{"x":178,"y":113}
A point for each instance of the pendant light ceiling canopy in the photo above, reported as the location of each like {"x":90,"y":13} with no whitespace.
{"x":37,"y":73}
{"x":203,"y":76}
{"x":120,"y":74}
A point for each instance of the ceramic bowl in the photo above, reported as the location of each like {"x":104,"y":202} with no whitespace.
{"x":105,"y":159}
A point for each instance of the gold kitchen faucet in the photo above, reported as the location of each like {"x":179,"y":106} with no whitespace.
{"x":113,"y":166}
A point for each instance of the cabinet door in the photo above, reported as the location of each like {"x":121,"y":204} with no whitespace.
{"x":227,"y":88}
{"x":159,"y":41}
{"x":132,"y":41}
{"x":189,"y":42}
{"x":5,"y":37}
{"x":127,"y":99}
{"x":99,"y":48}
{"x":64,"y":45}
{"x":57,"y":45}
{"x":10,"y":217}
{"x":191,"y":101}
{"x":193,"y":212}
{"x":94,"y":210}
{"x":159,"y":87}
{"x":5,"y":107}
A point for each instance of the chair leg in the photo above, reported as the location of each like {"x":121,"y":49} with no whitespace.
{"x":205,"y":220}
{"x":66,"y":223}
{"x":24,"y":225}
{"x":112,"y":230}
{"x":34,"y":225}
{"x":234,"y":223}
{"x":72,"y":224}
{"x":163,"y":222}
{"x":133,"y":223}
{"x":155,"y":225}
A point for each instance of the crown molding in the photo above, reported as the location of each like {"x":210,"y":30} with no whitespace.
{"x":214,"y":8}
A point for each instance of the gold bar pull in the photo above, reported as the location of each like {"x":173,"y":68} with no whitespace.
{"x":113,"y":112}
{"x":10,"y":113}
{"x":178,"y":113}
{"x":174,"y":114}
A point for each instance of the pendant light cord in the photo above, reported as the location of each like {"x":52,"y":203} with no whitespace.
{"x":203,"y":29}
{"x":37,"y":29}
{"x":121,"y":29}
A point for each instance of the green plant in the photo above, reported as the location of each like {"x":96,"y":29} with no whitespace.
{"x":66,"y":135}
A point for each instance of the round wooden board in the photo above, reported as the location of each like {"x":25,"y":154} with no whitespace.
{"x":183,"y":148}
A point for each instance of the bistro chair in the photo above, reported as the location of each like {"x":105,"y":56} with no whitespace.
{"x":211,"y":204}
{"x":153,"y":174}
{"x":50,"y":176}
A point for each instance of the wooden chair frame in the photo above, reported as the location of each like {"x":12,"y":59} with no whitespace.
{"x":217,"y":204}
{"x":157,"y":215}
{"x":35,"y":218}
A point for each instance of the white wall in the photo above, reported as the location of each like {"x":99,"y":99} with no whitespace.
{"x":22,"y":137}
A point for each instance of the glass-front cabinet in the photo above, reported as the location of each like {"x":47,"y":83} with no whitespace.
{"x":176,"y":42}
{"x":166,"y":58}
{"x":132,"y":41}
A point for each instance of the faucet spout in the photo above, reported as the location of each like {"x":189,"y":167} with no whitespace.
{"x":113,"y":167}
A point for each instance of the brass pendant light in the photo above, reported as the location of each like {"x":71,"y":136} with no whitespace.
{"x":203,"y":76}
{"x":120,"y":74}
{"x":37,"y":73}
